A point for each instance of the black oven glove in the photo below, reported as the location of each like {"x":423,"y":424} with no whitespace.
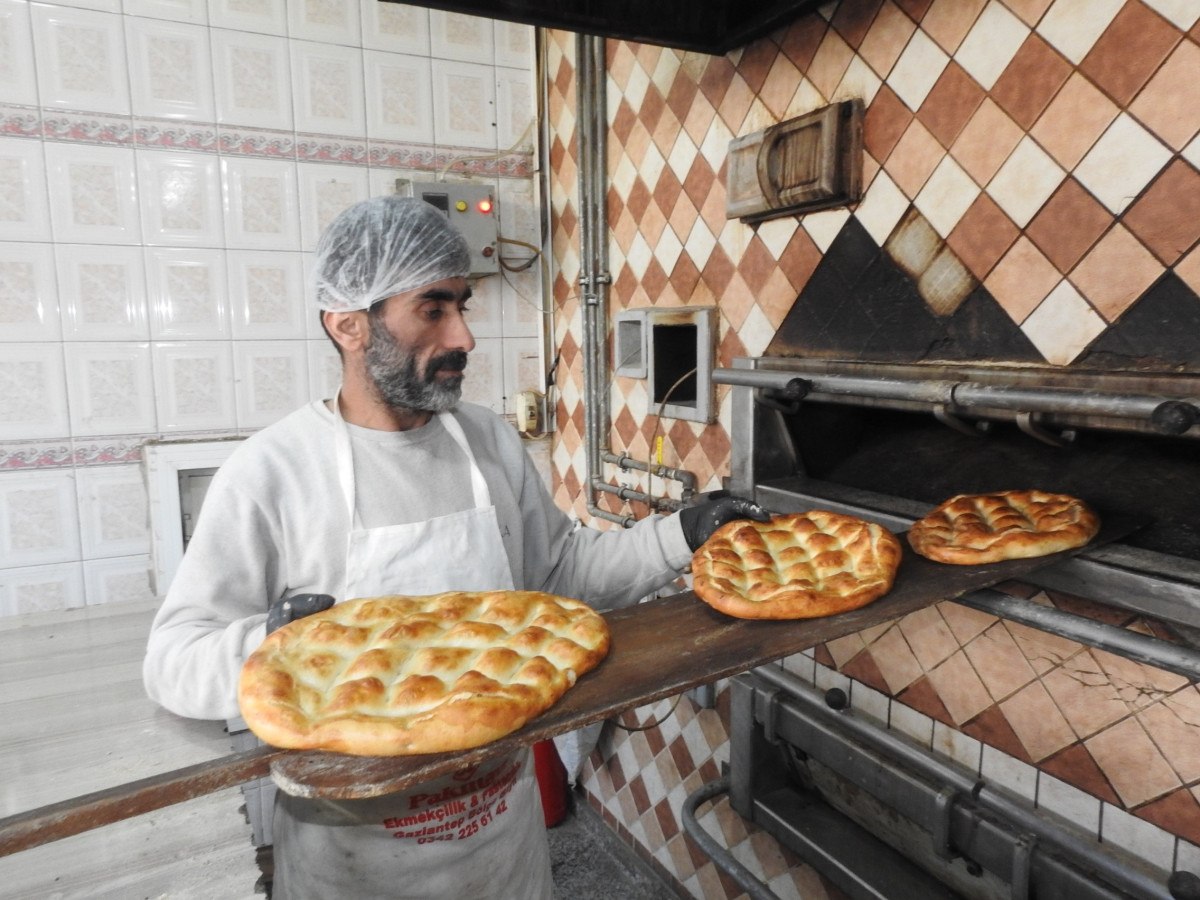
{"x":713,"y":511}
{"x":289,"y":609}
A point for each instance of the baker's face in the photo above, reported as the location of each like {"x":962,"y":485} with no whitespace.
{"x":418,"y":346}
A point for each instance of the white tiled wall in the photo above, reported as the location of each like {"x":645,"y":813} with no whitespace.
{"x":166,"y":167}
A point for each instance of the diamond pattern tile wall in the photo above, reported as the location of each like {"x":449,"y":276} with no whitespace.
{"x":1049,"y":151}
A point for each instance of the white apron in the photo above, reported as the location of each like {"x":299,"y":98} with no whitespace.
{"x":478,"y":833}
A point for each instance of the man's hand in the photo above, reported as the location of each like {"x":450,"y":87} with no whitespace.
{"x":713,"y":511}
{"x":296,"y":607}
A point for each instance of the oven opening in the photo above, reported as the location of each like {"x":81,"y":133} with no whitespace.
{"x":913,"y":455}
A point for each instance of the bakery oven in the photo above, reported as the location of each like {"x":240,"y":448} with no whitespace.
{"x":878,"y":813}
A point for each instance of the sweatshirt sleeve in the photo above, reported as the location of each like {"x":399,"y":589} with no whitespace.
{"x":214,"y":614}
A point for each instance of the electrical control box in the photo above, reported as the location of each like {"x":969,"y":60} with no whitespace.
{"x":469,"y":207}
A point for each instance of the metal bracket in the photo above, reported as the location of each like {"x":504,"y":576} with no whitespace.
{"x":770,"y":717}
{"x":947,"y":418}
{"x":943,"y":805}
{"x":1028,"y":423}
{"x":1022,"y":866}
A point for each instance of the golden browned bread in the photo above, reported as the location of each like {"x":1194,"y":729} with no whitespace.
{"x":391,"y":676}
{"x":796,"y":566}
{"x":972,"y":529}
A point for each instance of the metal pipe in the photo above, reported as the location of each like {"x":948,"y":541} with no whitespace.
{"x":1172,"y":416}
{"x":625,"y":461}
{"x":724,"y":860}
{"x":1115,"y":871}
{"x":1129,"y":644}
{"x":628,"y":493}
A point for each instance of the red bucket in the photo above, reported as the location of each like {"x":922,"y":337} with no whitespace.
{"x":552,"y":782}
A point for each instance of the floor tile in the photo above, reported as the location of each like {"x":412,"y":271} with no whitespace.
{"x":1084,"y":696}
{"x":999,"y":662}
{"x":1041,"y":728}
{"x":960,"y":688}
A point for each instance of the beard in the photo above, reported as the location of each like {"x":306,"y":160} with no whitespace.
{"x":394,"y":372}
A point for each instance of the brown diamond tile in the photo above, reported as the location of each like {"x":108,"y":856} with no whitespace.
{"x":948,"y":21}
{"x":1075,"y":766}
{"x":777,"y":94}
{"x":684,"y":278}
{"x":853,"y":20}
{"x":863,"y":669}
{"x":651,"y":108}
{"x":950,"y":104}
{"x":1067,"y":226}
{"x":755,"y":64}
{"x":993,"y":729}
{"x":667,"y":190}
{"x":923,"y":697}
{"x":801,"y":39}
{"x":886,"y":38}
{"x":914,"y":158}
{"x":623,"y":121}
{"x":799,"y":259}
{"x":982,"y":236}
{"x":884,"y":123}
{"x":734,"y":105}
{"x":730,"y":348}
{"x":1030,"y":81}
{"x":1115,"y":273}
{"x":829,"y":63}
{"x":756,"y":264}
{"x":681,"y":95}
{"x":1177,"y":813}
{"x":1130,"y":50}
{"x":654,"y":280}
{"x":1073,"y":121}
{"x":699,"y":181}
{"x":1167,"y":217}
{"x":915,"y":9}
{"x":1167,"y":105}
{"x":985,"y":142}
{"x":1028,"y":11}
{"x":1021,"y":280}
{"x":718,"y":75}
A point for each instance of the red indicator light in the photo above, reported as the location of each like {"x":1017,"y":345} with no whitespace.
{"x":484,"y":206}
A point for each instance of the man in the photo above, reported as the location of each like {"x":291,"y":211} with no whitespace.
{"x":393,"y":487}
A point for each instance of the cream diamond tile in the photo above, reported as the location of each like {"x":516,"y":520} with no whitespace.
{"x":700,"y":243}
{"x":667,"y":250}
{"x":946,"y":196}
{"x":715,"y":146}
{"x":860,"y":81}
{"x":1072,"y":26}
{"x":682,"y":155}
{"x":1122,"y":162}
{"x":881,"y":208}
{"x":652,"y":166}
{"x":806,"y":99}
{"x":623,"y":177}
{"x":917,"y":70}
{"x":1063,"y":325}
{"x":756,"y":332}
{"x":665,"y":71}
{"x":823,"y":227}
{"x":1025,"y":181}
{"x":991,"y":44}
{"x":635,"y":89}
{"x":776,"y":234}
{"x":735,"y":238}
{"x":639,"y":255}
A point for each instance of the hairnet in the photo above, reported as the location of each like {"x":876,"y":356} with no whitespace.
{"x":385,"y":246}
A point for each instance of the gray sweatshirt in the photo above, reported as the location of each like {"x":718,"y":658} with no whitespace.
{"x":274,"y":524}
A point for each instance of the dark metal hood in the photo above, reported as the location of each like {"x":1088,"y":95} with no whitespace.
{"x":707,"y":26}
